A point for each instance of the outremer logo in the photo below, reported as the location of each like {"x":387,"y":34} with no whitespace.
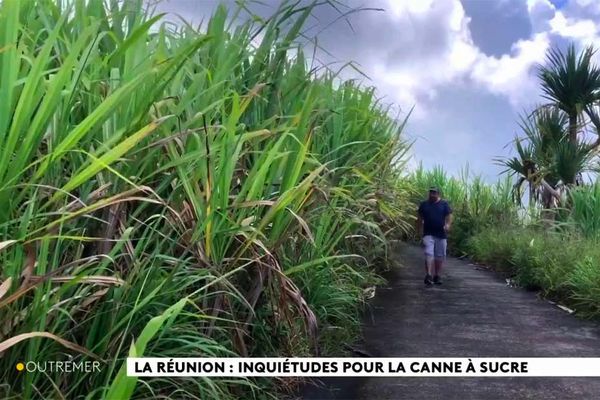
{"x":381,"y":367}
{"x":59,"y":366}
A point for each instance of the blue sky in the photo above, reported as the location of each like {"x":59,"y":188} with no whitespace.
{"x":467,"y":66}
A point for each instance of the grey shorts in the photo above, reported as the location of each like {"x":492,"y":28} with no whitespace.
{"x":434,"y":247}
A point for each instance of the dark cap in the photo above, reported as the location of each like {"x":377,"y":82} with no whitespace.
{"x":434,"y":189}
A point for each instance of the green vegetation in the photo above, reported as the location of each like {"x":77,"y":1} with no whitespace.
{"x":169,"y":192}
{"x":552,"y":243}
{"x":562,"y":266}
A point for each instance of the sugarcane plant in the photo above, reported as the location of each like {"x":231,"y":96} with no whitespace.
{"x":169,"y":190}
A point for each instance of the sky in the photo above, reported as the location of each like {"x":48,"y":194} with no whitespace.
{"x":466,"y":68}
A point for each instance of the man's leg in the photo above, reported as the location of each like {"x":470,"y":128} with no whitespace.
{"x":430,"y":265}
{"x":439,"y":252}
{"x":438,"y":265}
{"x":428,"y":247}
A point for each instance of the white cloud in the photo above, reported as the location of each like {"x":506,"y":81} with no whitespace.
{"x":512,"y":75}
{"x":540,"y":13}
{"x":592,"y":6}
{"x":460,"y":60}
{"x":576,"y":22}
{"x":414,"y":77}
{"x":419,"y":47}
{"x":581,"y":29}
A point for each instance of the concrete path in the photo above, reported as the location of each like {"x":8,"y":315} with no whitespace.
{"x":473,"y":314}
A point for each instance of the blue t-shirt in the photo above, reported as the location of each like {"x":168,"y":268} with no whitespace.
{"x":434,"y":217}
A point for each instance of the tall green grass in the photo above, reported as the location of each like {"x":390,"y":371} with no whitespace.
{"x":584,"y":214}
{"x":561,"y":265}
{"x":170,"y":192}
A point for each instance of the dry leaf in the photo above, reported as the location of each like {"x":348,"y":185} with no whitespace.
{"x":24,"y":336}
{"x":4,"y":287}
{"x":6,"y":243}
{"x":101,"y":280}
{"x":93,"y":297}
{"x":30,"y":263}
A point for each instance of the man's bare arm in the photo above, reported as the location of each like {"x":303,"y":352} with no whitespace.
{"x":448,"y":222}
{"x":419,"y":226}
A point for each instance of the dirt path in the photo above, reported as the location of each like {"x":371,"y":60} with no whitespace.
{"x":473,"y":314}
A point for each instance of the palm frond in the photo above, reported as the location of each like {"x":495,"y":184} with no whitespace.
{"x":569,"y":80}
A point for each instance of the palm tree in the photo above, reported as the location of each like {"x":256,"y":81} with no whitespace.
{"x":571,"y":82}
{"x":553,"y":153}
{"x":547,"y":160}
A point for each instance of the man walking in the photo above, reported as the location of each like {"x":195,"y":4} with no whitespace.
{"x":433,"y":222}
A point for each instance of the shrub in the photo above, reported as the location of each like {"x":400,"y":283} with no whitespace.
{"x":585,"y":211}
{"x":584,"y":283}
{"x":562,"y":265}
{"x":495,"y":247}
